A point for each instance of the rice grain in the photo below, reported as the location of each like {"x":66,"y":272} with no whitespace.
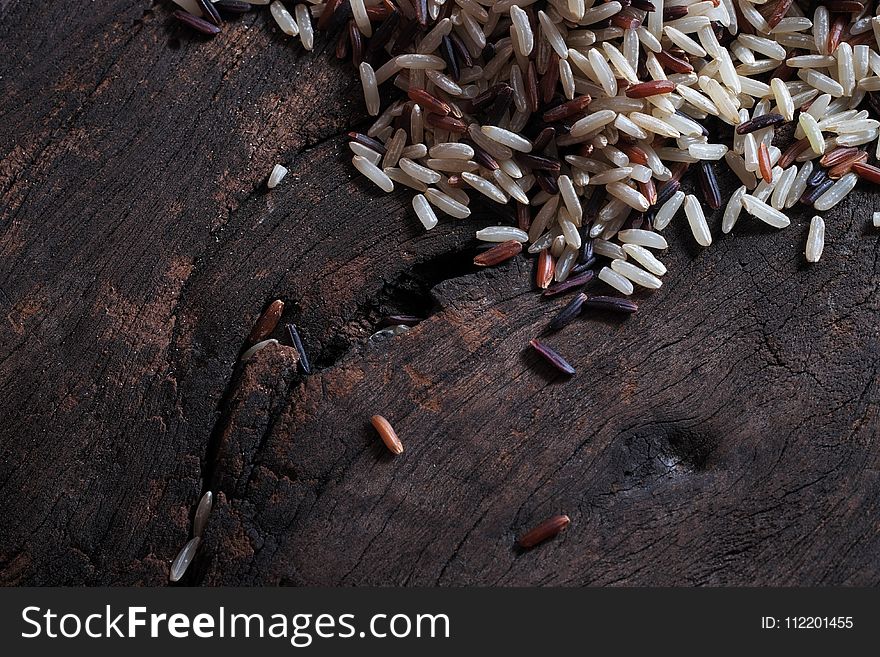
{"x":276,"y":176}
{"x":644,"y":238}
{"x":759,"y":209}
{"x":497,"y":254}
{"x":183,"y":559}
{"x":552,"y":357}
{"x":502,"y":234}
{"x":636,"y":274}
{"x":373,"y":173}
{"x":815,"y":239}
{"x":544,"y":531}
{"x":616,"y":280}
{"x":836,"y":193}
{"x":424,"y":212}
{"x":387,"y":434}
{"x":697,"y":220}
{"x":203,"y":511}
{"x":295,"y":338}
{"x":284,"y":19}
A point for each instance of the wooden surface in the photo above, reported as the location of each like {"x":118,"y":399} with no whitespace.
{"x":726,"y":434}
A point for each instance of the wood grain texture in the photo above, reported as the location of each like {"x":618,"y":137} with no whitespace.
{"x":726,"y":434}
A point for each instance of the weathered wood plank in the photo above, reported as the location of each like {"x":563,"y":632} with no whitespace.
{"x":726,"y":434}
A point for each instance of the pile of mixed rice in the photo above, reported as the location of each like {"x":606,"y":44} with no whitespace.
{"x":584,"y":116}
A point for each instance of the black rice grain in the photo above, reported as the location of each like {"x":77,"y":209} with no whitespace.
{"x":369,"y":142}
{"x":615,"y":304}
{"x":667,"y":191}
{"x":233,"y":6}
{"x":384,"y":32}
{"x":300,"y":349}
{"x":196,"y":23}
{"x":210,"y":11}
{"x":568,"y":314}
{"x":448,"y":52}
{"x":552,"y":357}
{"x":759,"y":123}
{"x":569,"y":284}
{"x":709,"y":185}
{"x":812,"y":194}
{"x":818,"y":176}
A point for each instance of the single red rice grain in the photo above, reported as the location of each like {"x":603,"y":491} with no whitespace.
{"x":779,"y":12}
{"x":567,"y":110}
{"x":791,"y":153}
{"x":652,"y":88}
{"x":543,"y":532}
{"x":673,"y":63}
{"x":448,"y":123}
{"x":866,"y":172}
{"x":844,"y":167}
{"x":836,"y":156}
{"x":429,"y":102}
{"x":387,"y":434}
{"x":545,"y":269}
{"x":267,"y":322}
{"x":498,"y":254}
{"x":764,"y":163}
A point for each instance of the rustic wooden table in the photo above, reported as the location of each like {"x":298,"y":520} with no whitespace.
{"x":726,"y":434}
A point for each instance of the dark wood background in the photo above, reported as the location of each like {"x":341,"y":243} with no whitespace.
{"x":727,"y":434}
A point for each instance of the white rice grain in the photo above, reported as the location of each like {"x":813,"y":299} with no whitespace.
{"x":815,"y":239}
{"x":602,"y":72}
{"x":445,"y":203}
{"x":697,"y":220}
{"x":732,"y":210}
{"x":361,"y":19}
{"x":628,"y":195}
{"x":636,"y":274}
{"x":424,"y":212}
{"x":304,"y":24}
{"x":522,"y":31}
{"x":782,"y":188}
{"x":836,"y":193}
{"x":183,"y":559}
{"x":203,"y":511}
{"x":811,"y":129}
{"x":278,"y":172}
{"x":553,"y":36}
{"x":397,"y":175}
{"x":283,"y":17}
{"x":371,"y":88}
{"x":373,"y":173}
{"x":642,"y":237}
{"x":592,"y":122}
{"x":507,"y":138}
{"x":484,"y":187}
{"x":419,"y":172}
{"x":799,"y":185}
{"x":502,"y":234}
{"x":257,"y":347}
{"x":645,"y":258}
{"x":760,"y":210}
{"x":616,"y":280}
{"x":667,"y":210}
{"x":783,"y":98}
